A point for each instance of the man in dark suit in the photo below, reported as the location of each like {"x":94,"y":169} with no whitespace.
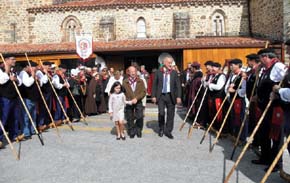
{"x":166,"y":91}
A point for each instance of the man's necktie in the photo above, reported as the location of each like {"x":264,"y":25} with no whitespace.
{"x":164,"y":90}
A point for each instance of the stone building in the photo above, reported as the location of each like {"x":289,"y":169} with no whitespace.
{"x":126,"y":31}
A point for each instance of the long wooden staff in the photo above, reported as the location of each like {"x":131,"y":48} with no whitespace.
{"x":192,"y":126}
{"x":213,"y":120}
{"x":24,"y":106}
{"x":189,"y":110}
{"x":60,"y":104}
{"x":9,"y":142}
{"x":280,"y":153}
{"x":43,"y":100}
{"x":250,"y":138}
{"x":227,"y":114}
{"x":77,"y":106}
{"x":246,"y":115}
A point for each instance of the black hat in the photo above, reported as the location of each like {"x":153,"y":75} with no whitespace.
{"x":24,"y":64}
{"x":266,"y":51}
{"x":209,"y":62}
{"x":7,"y":55}
{"x":236,"y":61}
{"x":216,"y":64}
{"x":252,"y":56}
{"x":62,"y":66}
{"x":47,"y":63}
{"x":195,"y":64}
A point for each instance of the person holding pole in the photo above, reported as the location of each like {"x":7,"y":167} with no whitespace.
{"x":237,"y":112}
{"x":166,"y":91}
{"x":194,"y":87}
{"x":42,"y":75}
{"x":272,"y":73}
{"x":30,"y":96}
{"x":216,"y":94}
{"x":60,"y":86}
{"x":283,"y":94}
{"x":254,"y":113}
{"x":9,"y":98}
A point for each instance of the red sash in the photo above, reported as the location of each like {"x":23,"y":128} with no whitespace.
{"x":237,"y":112}
{"x":218,"y":103}
{"x":277,"y":120}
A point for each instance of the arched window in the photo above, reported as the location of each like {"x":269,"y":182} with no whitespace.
{"x":141,"y":28}
{"x":70,"y":26}
{"x":218,"y":24}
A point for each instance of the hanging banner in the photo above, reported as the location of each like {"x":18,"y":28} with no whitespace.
{"x":84,"y":45}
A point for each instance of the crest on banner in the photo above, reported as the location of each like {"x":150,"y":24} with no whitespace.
{"x":84,"y":45}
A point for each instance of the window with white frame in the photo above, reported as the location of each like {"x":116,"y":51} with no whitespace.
{"x":218,"y":24}
{"x":141,"y":28}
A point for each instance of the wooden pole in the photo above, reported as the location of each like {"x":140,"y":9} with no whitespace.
{"x":246,"y":115}
{"x":184,"y":121}
{"x":60,"y":104}
{"x":227,"y":114}
{"x":280,"y":153}
{"x":192,"y":126}
{"x":9,"y":142}
{"x":213,"y":120}
{"x":43,"y":100}
{"x":24,"y":106}
{"x":250,"y":138}
{"x":248,"y":143}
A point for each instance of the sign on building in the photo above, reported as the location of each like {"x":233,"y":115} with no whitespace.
{"x":84,"y":45}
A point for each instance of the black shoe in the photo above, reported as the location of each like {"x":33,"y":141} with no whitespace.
{"x":160,"y":133}
{"x":118,"y":138}
{"x":139,"y":134}
{"x":259,"y":162}
{"x":275,"y":169}
{"x":169,"y":135}
{"x":123,"y":137}
{"x":132,"y":135}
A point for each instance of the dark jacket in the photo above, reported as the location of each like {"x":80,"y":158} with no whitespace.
{"x":175,"y":87}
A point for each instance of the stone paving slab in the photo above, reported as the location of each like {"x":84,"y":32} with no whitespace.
{"x":91,"y":154}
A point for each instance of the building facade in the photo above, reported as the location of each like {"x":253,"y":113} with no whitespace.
{"x":125,"y":31}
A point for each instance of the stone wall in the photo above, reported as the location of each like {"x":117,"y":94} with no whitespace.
{"x":287,"y":29}
{"x":15,"y":20}
{"x":17,"y":25}
{"x":46,"y":26}
{"x":267,"y":18}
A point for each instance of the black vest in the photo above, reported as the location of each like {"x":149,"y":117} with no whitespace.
{"x":236,"y":83}
{"x":63,"y":91}
{"x":250,"y":83}
{"x":217,"y":93}
{"x":264,"y":88}
{"x":31,"y":92}
{"x":8,"y":90}
{"x":46,"y":88}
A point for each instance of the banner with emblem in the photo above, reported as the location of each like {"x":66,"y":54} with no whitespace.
{"x":84,"y":45}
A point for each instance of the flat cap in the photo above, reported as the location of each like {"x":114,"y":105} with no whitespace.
{"x":209,"y":62}
{"x":216,"y":64}
{"x":236,"y":61}
{"x":252,"y":56}
{"x":266,"y":51}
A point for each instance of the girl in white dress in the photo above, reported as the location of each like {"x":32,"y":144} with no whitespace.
{"x":117,"y":102}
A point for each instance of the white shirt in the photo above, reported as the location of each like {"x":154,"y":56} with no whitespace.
{"x":111,"y":81}
{"x":219,"y":85}
{"x":26,"y":79}
{"x":285,"y":94}
{"x":41,"y":77}
{"x":4,"y":78}
{"x":56,"y":82}
{"x":241,"y":90}
{"x":167,"y":83}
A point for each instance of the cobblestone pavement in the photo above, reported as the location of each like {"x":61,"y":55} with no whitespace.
{"x":91,"y":154}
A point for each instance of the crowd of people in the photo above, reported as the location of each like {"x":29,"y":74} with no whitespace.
{"x":247,"y":88}
{"x":231,"y":89}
